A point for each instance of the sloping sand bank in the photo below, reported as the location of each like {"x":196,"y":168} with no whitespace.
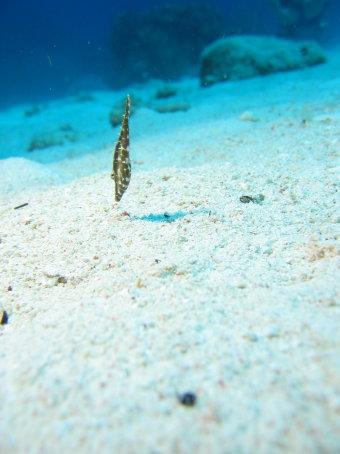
{"x":111,"y":315}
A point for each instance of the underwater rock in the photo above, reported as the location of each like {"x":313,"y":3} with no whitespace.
{"x":66,"y":127}
{"x":294,"y":12}
{"x":162,"y":42}
{"x":255,"y":199}
{"x":241,"y":57}
{"x":61,"y":280}
{"x":188,"y":399}
{"x":246,"y":198}
{"x":84,"y":97}
{"x":44,"y":140}
{"x":52,"y":139}
{"x":32,"y":111}
{"x":179,"y":106}
{"x":115,"y":116}
{"x":167,"y":91}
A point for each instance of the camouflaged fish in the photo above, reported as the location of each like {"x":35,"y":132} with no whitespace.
{"x":121,"y":171}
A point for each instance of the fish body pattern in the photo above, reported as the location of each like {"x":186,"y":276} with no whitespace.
{"x":121,"y":172}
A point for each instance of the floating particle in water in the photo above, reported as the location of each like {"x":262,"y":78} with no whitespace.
{"x":121,"y":172}
{"x":188,"y":399}
{"x":45,"y":140}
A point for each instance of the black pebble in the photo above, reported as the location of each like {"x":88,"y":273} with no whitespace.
{"x":188,"y":399}
{"x":4,"y":318}
{"x":62,"y":280}
{"x":255,"y":199}
{"x":246,"y":199}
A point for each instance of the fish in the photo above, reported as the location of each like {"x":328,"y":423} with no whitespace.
{"x":121,"y":169}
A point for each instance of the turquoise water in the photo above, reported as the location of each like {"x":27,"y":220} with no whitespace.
{"x":53,"y":49}
{"x":66,"y":67}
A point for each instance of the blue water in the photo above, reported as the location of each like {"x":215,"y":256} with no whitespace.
{"x":49,"y":49}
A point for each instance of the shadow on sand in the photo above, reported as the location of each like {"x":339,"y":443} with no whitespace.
{"x":170,"y":217}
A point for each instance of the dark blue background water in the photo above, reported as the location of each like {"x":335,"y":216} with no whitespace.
{"x":52,"y":48}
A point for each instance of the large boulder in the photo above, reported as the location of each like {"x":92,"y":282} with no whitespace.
{"x":296,"y":12}
{"x":163,"y":42}
{"x":240,"y":57}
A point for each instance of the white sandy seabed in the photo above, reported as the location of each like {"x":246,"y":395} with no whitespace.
{"x":112,"y":316}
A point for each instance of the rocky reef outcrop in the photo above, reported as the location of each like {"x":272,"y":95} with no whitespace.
{"x":162,"y":42}
{"x":240,"y":57}
{"x":295,"y":12}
